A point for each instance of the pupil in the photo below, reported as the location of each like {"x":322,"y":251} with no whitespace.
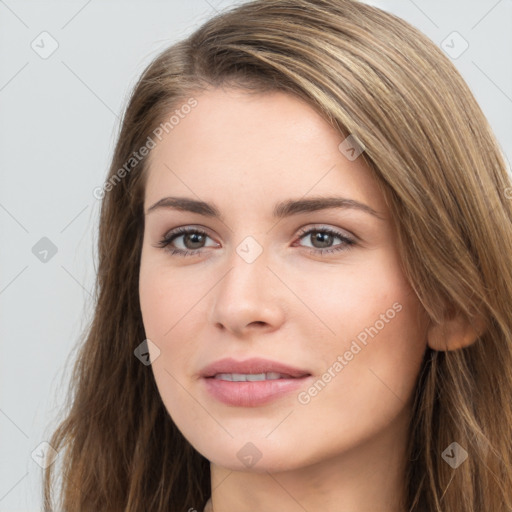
{"x":194,"y":235}
{"x":324,"y":238}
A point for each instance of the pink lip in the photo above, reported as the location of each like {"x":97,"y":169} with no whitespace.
{"x":254,"y":393}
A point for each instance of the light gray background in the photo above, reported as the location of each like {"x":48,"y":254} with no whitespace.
{"x":58,"y":121}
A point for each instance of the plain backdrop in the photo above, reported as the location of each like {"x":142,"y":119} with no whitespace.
{"x":66,"y":69}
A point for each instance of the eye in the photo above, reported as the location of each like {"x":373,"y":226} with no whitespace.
{"x":323,"y":237}
{"x":193,"y":238}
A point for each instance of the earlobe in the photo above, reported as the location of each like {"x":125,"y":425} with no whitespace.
{"x":455,"y":332}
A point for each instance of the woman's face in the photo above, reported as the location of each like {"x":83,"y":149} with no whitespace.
{"x":271,"y":275}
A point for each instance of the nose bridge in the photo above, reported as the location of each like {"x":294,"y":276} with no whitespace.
{"x":246,"y":294}
{"x":248,"y":273}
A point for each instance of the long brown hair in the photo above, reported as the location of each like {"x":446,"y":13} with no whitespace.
{"x":430,"y":147}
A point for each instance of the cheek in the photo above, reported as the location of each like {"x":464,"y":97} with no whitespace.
{"x":172,"y":304}
{"x":167,"y":308}
{"x":367,"y":301}
{"x":154,"y":295}
{"x":388,"y":345}
{"x":165,"y":296}
{"x":162,"y":307}
{"x":379,"y":340}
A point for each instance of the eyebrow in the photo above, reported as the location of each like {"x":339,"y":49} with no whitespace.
{"x":281,"y":210}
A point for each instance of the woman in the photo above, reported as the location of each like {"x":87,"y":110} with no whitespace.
{"x":304,"y":282}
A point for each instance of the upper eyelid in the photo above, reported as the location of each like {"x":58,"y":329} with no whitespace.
{"x":321,"y":227}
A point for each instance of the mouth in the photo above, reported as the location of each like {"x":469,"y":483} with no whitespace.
{"x":253,"y":377}
{"x":253,"y":369}
{"x":253,"y":382}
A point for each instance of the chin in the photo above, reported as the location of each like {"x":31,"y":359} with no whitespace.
{"x":257,"y":456}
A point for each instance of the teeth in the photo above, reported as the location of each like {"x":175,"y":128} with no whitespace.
{"x":243,"y":377}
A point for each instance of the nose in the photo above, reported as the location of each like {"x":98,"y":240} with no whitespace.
{"x":249,"y":298}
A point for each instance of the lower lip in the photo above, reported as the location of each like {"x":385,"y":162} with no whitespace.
{"x":254,"y":393}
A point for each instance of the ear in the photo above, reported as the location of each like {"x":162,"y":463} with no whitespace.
{"x":455,"y":332}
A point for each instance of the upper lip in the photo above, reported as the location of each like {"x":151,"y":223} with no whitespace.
{"x":254,"y":365}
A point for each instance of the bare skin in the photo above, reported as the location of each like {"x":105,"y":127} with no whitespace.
{"x":343,"y":447}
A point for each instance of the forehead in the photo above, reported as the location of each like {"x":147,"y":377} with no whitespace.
{"x":261,"y":147}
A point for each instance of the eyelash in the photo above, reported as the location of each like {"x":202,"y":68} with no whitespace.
{"x":166,"y":241}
